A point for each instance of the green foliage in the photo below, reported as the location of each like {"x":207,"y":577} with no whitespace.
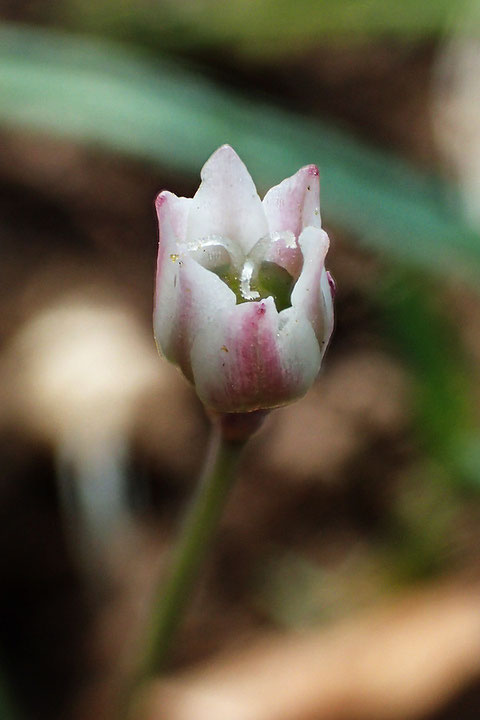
{"x":100,"y":94}
{"x":425,"y":337}
{"x":265,"y":28}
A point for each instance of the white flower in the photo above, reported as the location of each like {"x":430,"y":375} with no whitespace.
{"x":243,"y":303}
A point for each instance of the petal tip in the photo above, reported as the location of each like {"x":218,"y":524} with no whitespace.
{"x":226,"y":148}
{"x":221,"y":162}
{"x":224,"y":151}
{"x":161,"y":199}
{"x":265,"y":305}
{"x":332,"y":284}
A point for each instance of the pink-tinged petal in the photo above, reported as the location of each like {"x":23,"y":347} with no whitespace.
{"x":186,"y":294}
{"x":254,"y":358}
{"x":227,"y":203}
{"x":310,"y":295}
{"x":295,"y":203}
{"x":175,"y":210}
{"x":332,"y":284}
{"x":248,"y":356}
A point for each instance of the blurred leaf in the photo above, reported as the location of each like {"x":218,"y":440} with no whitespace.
{"x":99,"y":93}
{"x":421,"y":532}
{"x":419,"y":327}
{"x":265,"y":28}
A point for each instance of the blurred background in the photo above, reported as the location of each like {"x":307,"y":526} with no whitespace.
{"x":344,"y":583}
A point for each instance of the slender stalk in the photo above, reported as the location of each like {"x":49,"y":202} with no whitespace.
{"x":199,"y":526}
{"x":173,"y":594}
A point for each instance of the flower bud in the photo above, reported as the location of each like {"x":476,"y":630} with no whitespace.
{"x":243,"y":303}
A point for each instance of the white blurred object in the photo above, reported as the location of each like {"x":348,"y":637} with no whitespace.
{"x":83,"y":365}
{"x":456,"y":105}
{"x":80,"y":367}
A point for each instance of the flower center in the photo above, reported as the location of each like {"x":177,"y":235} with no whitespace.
{"x":270,"y":269}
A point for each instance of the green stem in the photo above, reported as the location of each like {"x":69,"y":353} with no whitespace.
{"x":172,"y":595}
{"x":193,"y":544}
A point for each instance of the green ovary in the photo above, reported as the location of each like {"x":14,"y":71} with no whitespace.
{"x":250,"y":278}
{"x":275,"y":281}
{"x":271,"y":280}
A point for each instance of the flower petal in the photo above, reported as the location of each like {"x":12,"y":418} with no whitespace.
{"x":227,"y":203}
{"x":311,"y":295}
{"x":254,"y":358}
{"x":295,"y":203}
{"x":246,"y":356}
{"x":176,"y":209}
{"x":186,"y":294}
